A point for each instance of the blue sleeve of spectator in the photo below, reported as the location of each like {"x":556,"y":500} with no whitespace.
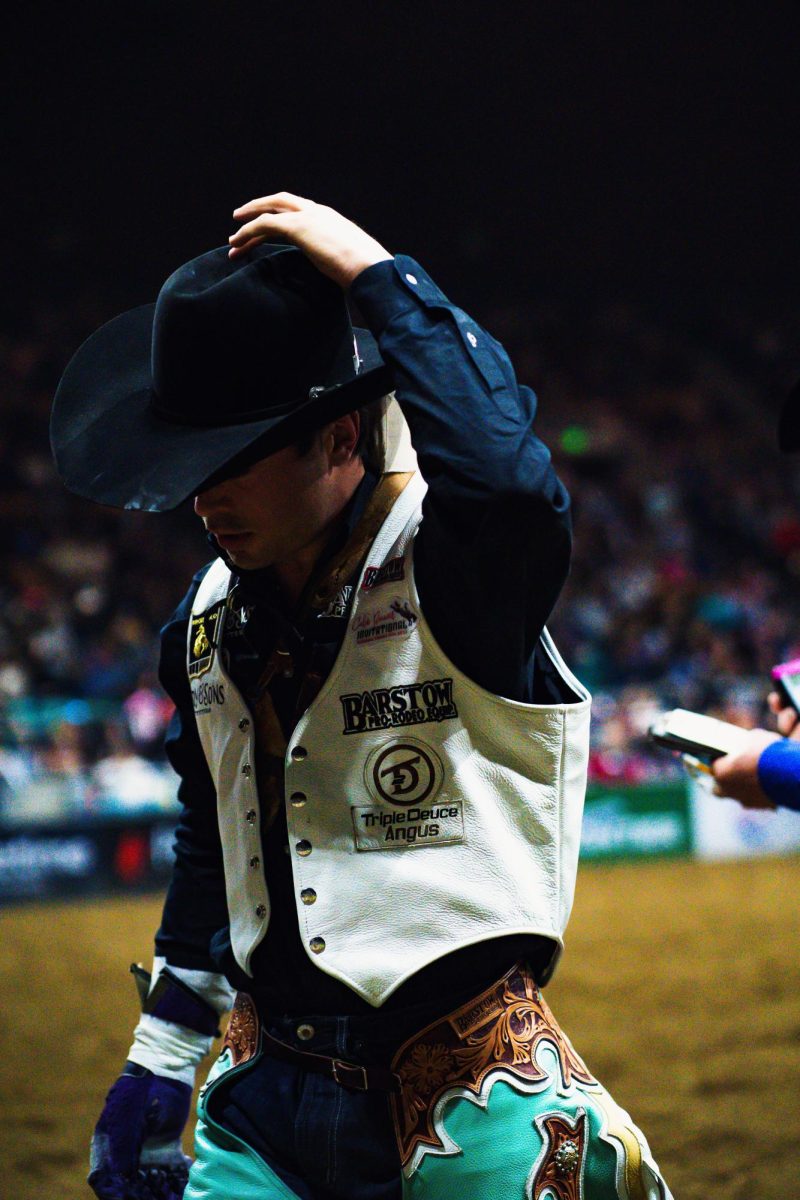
{"x":196,"y":905}
{"x":779,"y":773}
{"x":493,"y":549}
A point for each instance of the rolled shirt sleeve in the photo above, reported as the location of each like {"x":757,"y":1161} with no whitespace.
{"x":779,"y":773}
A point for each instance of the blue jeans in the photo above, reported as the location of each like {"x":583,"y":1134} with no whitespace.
{"x":323,"y":1141}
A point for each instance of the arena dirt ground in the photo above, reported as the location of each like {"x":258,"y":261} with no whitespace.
{"x":680,"y":986}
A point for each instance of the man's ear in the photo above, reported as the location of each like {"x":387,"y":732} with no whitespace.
{"x":341,"y":439}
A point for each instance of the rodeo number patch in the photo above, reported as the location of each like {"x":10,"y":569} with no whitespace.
{"x":203,"y":640}
{"x":405,"y":775}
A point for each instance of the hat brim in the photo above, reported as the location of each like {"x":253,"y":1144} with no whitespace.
{"x":109,"y":445}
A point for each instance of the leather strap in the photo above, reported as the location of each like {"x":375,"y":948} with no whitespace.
{"x":351,"y":1076}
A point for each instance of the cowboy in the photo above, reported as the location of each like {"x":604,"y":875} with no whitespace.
{"x":382,"y":756}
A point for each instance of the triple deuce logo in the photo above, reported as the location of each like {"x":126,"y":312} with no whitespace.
{"x":392,"y":708}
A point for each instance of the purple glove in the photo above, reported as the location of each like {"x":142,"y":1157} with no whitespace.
{"x":136,"y":1147}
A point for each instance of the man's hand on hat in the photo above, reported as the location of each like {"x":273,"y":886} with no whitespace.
{"x":336,"y":246}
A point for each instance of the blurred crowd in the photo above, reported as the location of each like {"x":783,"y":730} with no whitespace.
{"x":684,"y":590}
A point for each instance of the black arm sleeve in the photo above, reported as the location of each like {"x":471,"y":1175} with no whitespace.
{"x":493,"y":550}
{"x":195,"y":907}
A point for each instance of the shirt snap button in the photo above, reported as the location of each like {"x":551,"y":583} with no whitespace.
{"x":251,"y":816}
{"x":308,"y":895}
{"x":244,"y":723}
{"x":317,"y":945}
{"x":255,"y":861}
{"x":411,"y":279}
{"x":299,"y":752}
{"x":298,"y":799}
{"x":247,"y":770}
{"x":305,"y":1032}
{"x":261,"y":911}
{"x":303,"y":848}
{"x":473,"y":341}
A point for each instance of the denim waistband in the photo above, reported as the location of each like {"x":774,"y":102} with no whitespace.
{"x":367,"y":1037}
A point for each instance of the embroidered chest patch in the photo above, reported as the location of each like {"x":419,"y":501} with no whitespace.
{"x":203,"y":640}
{"x":429,"y":700}
{"x":404,"y":777}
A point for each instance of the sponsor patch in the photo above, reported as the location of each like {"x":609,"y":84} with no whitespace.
{"x":403,"y":773}
{"x":203,"y":640}
{"x":408,"y":829}
{"x":339,"y":604}
{"x":391,"y":572}
{"x":395,"y":619}
{"x":205,"y":695}
{"x":405,"y":776}
{"x":236,"y":620}
{"x":395,"y":707}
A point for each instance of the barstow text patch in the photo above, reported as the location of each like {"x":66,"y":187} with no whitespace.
{"x":396,"y":707}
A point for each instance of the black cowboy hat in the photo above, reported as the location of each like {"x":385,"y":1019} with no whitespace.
{"x":789,"y":422}
{"x":237,"y":358}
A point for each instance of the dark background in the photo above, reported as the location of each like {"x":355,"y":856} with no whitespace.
{"x":646,"y":150}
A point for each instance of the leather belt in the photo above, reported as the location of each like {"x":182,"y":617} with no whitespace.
{"x":348,"y":1075}
{"x":246,"y":1033}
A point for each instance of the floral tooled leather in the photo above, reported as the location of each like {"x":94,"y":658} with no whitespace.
{"x":561,"y":1168}
{"x":500,"y":1030}
{"x":241,"y":1036}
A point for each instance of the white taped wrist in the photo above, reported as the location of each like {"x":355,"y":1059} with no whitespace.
{"x":167,"y":1049}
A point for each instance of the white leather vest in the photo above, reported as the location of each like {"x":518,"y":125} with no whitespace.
{"x":424,"y":813}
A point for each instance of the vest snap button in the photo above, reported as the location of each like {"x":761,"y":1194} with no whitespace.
{"x":305,"y":1032}
{"x":298,"y":799}
{"x":317,"y":945}
{"x":299,"y":752}
{"x":251,"y":816}
{"x":244,"y":723}
{"x":261,"y":911}
{"x":308,"y":895}
{"x":303,"y":848}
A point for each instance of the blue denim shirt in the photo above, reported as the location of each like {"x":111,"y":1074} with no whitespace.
{"x":491,"y":556}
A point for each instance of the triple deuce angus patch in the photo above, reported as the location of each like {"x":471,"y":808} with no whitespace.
{"x":404,"y":777}
{"x":392,"y":708}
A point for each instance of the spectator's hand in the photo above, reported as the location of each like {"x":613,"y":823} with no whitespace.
{"x":336,"y":246}
{"x":788,"y":720}
{"x":737,"y":774}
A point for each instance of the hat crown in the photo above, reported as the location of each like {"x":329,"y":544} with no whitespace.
{"x":239,"y":340}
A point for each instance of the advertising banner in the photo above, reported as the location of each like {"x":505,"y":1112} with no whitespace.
{"x":636,"y":821}
{"x":723,"y":829}
{"x":62,"y":861}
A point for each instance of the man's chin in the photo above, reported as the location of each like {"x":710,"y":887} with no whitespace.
{"x":243,"y":551}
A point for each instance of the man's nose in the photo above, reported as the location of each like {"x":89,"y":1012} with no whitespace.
{"x":206,"y":501}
